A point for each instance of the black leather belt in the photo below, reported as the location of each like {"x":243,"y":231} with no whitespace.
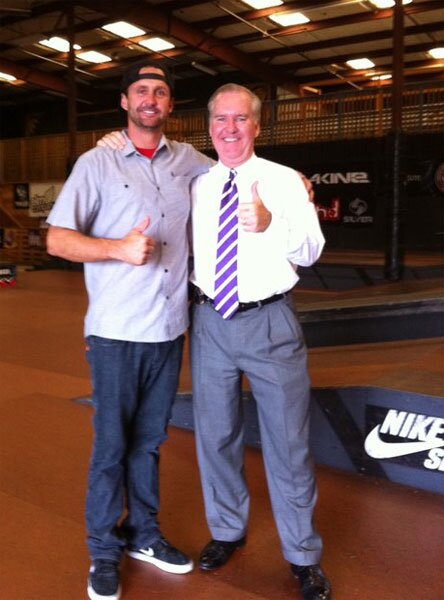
{"x":201,"y":298}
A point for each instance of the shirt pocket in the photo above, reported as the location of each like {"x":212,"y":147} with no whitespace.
{"x":123,"y":206}
{"x":175,"y":194}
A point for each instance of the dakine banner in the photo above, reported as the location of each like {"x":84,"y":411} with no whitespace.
{"x":345,"y":196}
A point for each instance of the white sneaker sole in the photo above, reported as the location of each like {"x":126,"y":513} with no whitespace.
{"x":92,"y":595}
{"x":164,"y":566}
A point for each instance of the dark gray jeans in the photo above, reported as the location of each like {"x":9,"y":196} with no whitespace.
{"x":134,"y":386}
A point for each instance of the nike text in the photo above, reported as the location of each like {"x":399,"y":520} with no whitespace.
{"x":419,"y":433}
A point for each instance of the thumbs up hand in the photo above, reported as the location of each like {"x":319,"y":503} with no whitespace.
{"x":136,"y":248}
{"x":254,"y":217}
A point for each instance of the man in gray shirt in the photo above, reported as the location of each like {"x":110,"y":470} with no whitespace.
{"x":124,"y":214}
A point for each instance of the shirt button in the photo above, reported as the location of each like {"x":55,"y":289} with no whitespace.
{"x":166,"y":270}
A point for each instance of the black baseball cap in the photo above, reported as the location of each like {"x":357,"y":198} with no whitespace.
{"x":133,"y":74}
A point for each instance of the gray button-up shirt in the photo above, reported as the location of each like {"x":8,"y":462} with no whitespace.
{"x":107,"y":194}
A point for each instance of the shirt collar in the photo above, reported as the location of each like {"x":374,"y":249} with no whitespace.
{"x":224,"y":171}
{"x":131,"y":149}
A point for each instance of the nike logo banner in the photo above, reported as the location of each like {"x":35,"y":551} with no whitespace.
{"x":405,"y":437}
{"x":378,"y":448}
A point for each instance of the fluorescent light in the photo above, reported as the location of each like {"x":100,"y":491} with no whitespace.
{"x":381,"y":77}
{"x":123,"y":29}
{"x":7,"y":77}
{"x":263,"y":3}
{"x":93,"y":57}
{"x":360,"y":63}
{"x":437,"y":52}
{"x":156,"y":44}
{"x":387,"y":3}
{"x":289,"y":18}
{"x":58,"y":43}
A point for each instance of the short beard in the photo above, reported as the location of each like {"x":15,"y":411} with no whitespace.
{"x":154,"y":127}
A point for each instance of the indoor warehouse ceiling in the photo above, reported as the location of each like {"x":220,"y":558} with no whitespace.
{"x":209,"y":43}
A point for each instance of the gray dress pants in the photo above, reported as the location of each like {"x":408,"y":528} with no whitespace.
{"x":266,"y":344}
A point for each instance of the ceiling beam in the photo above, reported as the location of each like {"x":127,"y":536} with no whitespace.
{"x":331,"y":44}
{"x":254,"y":15}
{"x":423,"y":66}
{"x":168,"y":25}
{"x":35,"y":12}
{"x":44,"y":80}
{"x":347,"y":40}
{"x":338,"y":59}
{"x":409,"y":9}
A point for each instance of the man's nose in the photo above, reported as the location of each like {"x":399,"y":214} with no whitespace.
{"x":149,"y":98}
{"x":231,"y":124}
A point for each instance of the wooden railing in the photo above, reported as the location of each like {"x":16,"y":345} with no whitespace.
{"x":344,"y":116}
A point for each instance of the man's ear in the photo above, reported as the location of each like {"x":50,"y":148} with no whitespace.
{"x":124,"y":101}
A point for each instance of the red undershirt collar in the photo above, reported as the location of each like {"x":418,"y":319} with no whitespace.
{"x":148,"y":152}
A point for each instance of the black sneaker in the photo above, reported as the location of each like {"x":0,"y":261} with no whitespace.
{"x":163,"y":555}
{"x":103,"y":580}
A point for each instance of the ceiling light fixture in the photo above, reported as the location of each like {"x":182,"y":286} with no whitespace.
{"x":290,"y":18}
{"x":387,"y":3}
{"x":259,"y":4}
{"x":204,"y":69}
{"x":58,"y":43}
{"x":156,"y":44}
{"x":123,"y":29}
{"x":436,"y":52}
{"x":7,"y":77}
{"x":94,"y":57}
{"x":381,"y":77}
{"x":360,"y":63}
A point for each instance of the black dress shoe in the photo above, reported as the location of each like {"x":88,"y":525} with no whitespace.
{"x":314,"y":584}
{"x":216,"y":553}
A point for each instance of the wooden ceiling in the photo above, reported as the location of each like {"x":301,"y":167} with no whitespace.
{"x":227,"y":38}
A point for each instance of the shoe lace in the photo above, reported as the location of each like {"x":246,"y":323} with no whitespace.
{"x":106,"y":568}
{"x":161,"y":544}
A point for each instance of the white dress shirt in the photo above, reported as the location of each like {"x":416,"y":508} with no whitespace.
{"x":267,"y":261}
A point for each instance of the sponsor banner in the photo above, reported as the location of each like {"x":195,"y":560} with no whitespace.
{"x":21,"y":195}
{"x":42,"y":197}
{"x":345,"y":196}
{"x":389,"y":434}
{"x":35,"y":238}
{"x":405,"y":438}
{"x":7,"y":275}
{"x":438,"y":178}
{"x":425,"y":179}
{"x":9,"y":238}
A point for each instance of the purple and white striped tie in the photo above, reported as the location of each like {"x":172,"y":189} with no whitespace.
{"x":226,"y":299}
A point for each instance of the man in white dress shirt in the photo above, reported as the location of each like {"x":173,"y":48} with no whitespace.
{"x":277,"y":229}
